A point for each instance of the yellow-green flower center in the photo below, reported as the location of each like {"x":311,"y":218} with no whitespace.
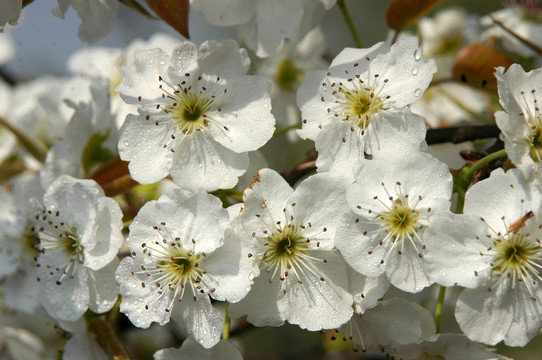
{"x":516,"y":256}
{"x":179,"y":267}
{"x":288,"y":75}
{"x":360,"y":105}
{"x":400,"y":221}
{"x":189,"y":111}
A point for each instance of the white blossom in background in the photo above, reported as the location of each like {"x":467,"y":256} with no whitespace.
{"x":80,"y":232}
{"x":302,"y":278}
{"x":199,"y":114}
{"x":10,"y":10}
{"x":90,"y":138}
{"x":342,"y":107}
{"x":524,"y":18}
{"x":106,"y":63}
{"x":180,"y":258}
{"x":264,"y":25}
{"x":96,"y":16}
{"x":191,"y":350}
{"x":82,"y":344}
{"x":494,"y":251}
{"x":19,"y":245}
{"x":393,"y":201}
{"x":287,"y":69}
{"x":521,"y":122}
{"x":391,"y":322}
{"x":446,"y":346}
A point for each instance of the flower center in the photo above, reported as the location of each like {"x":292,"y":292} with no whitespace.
{"x":287,"y":76}
{"x":189,"y":111}
{"x":360,"y":104}
{"x":517,"y":257}
{"x":284,"y":250}
{"x":179,"y":267}
{"x":400,"y":221}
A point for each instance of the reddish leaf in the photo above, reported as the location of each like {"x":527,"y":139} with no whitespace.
{"x":475,"y":65}
{"x":403,"y":13}
{"x":173,"y":12}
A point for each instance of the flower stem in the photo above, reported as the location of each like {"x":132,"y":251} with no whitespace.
{"x":285,"y":129}
{"x":349,"y":22}
{"x":440,"y":305}
{"x":464,"y":179}
{"x":227,"y":323}
{"x":108,"y":339}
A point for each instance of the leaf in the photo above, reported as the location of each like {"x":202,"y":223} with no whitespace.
{"x":475,"y":65}
{"x":400,"y":14}
{"x":173,"y":12}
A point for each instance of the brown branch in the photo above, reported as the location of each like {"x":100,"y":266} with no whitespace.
{"x":460,"y":134}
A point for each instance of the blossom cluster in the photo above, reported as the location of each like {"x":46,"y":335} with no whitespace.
{"x":144,"y":187}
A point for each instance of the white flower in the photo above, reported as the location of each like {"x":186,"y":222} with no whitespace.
{"x":524,"y":20}
{"x":19,"y":246}
{"x":493,"y":250}
{"x":191,"y":350}
{"x":10,"y":10}
{"x":90,"y":138}
{"x":393,"y":202}
{"x":179,"y":259}
{"x":446,"y":346}
{"x":264,"y":24}
{"x":199,"y":114}
{"x":521,"y":122}
{"x":303,"y":279}
{"x":101,"y":62}
{"x":343,"y":106}
{"x":81,"y":344}
{"x":80,"y":232}
{"x":287,"y":69}
{"x":96,"y":16}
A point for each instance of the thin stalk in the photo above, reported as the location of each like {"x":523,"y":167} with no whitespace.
{"x":227,"y":324}
{"x":440,"y":306}
{"x":285,"y":129}
{"x":349,"y":22}
{"x":483,"y":161}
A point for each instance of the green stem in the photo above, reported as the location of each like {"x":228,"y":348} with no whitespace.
{"x":440,"y":306}
{"x":463,"y":181}
{"x":483,"y":161}
{"x":349,"y":22}
{"x":285,"y":129}
{"x":227,"y":324}
{"x":222,"y":195}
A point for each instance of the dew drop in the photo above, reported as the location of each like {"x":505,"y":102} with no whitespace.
{"x":418,"y":54}
{"x":415,"y":70}
{"x":418,"y":92}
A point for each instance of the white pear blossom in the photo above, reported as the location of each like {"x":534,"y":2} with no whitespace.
{"x":302,"y":278}
{"x":342,"y":107}
{"x":264,"y":24}
{"x":96,"y":16}
{"x":446,"y":346}
{"x":90,"y":138}
{"x":80,"y":232}
{"x":520,"y":94}
{"x":191,"y":350}
{"x":82,"y":344}
{"x":524,"y":18}
{"x":494,"y":251}
{"x":199,"y":115}
{"x":106,"y":63}
{"x":393,"y":202}
{"x":19,"y":245}
{"x":287,"y":69}
{"x":180,"y":258}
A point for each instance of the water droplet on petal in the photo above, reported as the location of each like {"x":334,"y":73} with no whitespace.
{"x":418,"y":54}
{"x":415,"y":70}
{"x":418,"y":92}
